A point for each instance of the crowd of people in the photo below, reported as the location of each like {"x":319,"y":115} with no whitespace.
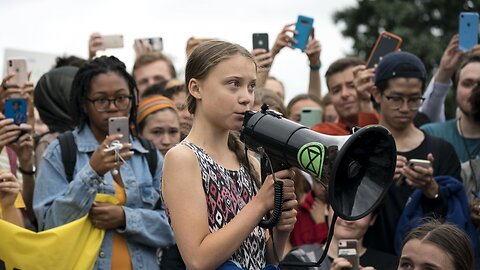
{"x":189,"y":196}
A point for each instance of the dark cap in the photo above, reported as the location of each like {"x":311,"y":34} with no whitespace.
{"x":400,"y":65}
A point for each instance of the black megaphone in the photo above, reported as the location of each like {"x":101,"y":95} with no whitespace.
{"x":361,"y":166}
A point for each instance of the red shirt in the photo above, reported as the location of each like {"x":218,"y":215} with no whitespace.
{"x":341,"y":128}
{"x":305,"y":230}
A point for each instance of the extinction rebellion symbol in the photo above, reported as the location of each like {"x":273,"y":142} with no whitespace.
{"x":310,"y":157}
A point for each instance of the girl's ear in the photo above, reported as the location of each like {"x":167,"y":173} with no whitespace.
{"x":194,"y":88}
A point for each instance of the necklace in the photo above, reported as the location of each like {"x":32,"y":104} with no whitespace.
{"x":470,"y":157}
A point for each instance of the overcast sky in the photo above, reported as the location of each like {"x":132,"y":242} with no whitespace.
{"x":63,"y":27}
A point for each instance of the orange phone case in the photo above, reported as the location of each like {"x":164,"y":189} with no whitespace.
{"x":386,"y":43}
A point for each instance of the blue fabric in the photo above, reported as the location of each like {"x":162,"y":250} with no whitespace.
{"x":458,"y":211}
{"x":57,"y":202}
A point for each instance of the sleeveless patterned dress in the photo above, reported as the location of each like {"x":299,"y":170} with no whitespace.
{"x":227,"y":192}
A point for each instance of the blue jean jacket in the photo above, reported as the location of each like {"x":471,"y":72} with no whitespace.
{"x":57,"y":202}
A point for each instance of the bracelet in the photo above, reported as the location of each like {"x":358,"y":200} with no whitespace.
{"x":32,"y":172}
{"x":315,"y":68}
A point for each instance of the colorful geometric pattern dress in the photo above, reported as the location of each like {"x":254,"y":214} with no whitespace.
{"x":227,"y":192}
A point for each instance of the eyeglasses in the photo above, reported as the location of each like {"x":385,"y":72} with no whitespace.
{"x":396,"y":102}
{"x":102,"y":104}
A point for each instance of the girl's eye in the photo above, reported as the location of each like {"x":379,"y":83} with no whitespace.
{"x":252,"y":86}
{"x":234,"y":83}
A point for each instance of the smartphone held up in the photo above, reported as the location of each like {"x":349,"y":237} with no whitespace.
{"x":303,"y":30}
{"x":385,"y":44}
{"x":260,"y":41}
{"x":155,"y":42}
{"x":112,"y":41}
{"x":348,"y":249}
{"x":467,"y":30}
{"x":18,"y":67}
{"x":119,"y":125}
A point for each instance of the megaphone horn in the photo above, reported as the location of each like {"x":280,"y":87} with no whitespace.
{"x":361,"y":170}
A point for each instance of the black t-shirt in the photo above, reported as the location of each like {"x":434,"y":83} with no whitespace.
{"x":381,"y":235}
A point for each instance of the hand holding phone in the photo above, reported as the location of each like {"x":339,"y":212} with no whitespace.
{"x":386,"y":43}
{"x":303,"y":28}
{"x":348,"y":249}
{"x":419,"y":162}
{"x":155,"y":43}
{"x":119,"y":125}
{"x":467,"y":30}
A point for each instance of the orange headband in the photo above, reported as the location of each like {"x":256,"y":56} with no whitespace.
{"x":153,"y":104}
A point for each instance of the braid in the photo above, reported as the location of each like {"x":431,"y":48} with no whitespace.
{"x":235,"y":145}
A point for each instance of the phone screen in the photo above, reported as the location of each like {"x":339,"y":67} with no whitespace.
{"x":385,"y":44}
{"x":16,"y":109}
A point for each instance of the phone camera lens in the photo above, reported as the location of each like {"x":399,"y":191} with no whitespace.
{"x":10,"y":62}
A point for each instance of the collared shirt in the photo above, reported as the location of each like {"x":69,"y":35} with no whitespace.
{"x":57,"y":202}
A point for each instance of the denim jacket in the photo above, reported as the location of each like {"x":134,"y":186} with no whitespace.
{"x":57,"y":202}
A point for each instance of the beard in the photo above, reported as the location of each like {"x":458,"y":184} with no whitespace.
{"x":474,"y":101}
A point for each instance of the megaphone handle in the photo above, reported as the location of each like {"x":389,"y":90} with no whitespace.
{"x":277,"y":207}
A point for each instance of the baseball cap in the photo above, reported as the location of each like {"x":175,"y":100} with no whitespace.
{"x":400,"y":65}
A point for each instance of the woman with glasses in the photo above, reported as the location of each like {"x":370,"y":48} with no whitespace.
{"x":137,"y":225}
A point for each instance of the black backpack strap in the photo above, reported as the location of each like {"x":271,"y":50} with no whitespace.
{"x":68,"y":148}
{"x":151,"y":155}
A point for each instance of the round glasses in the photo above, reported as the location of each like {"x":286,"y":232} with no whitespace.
{"x":396,"y":102}
{"x":102,"y":104}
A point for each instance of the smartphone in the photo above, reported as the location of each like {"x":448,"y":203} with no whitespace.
{"x":304,"y":28}
{"x":19,"y":68}
{"x":260,"y":41}
{"x":119,"y":125}
{"x":16,"y":109}
{"x":386,"y":43}
{"x":311,"y":116}
{"x":112,"y":41}
{"x":348,"y":249}
{"x":467,"y":30}
{"x":155,"y":42}
{"x":419,"y":162}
